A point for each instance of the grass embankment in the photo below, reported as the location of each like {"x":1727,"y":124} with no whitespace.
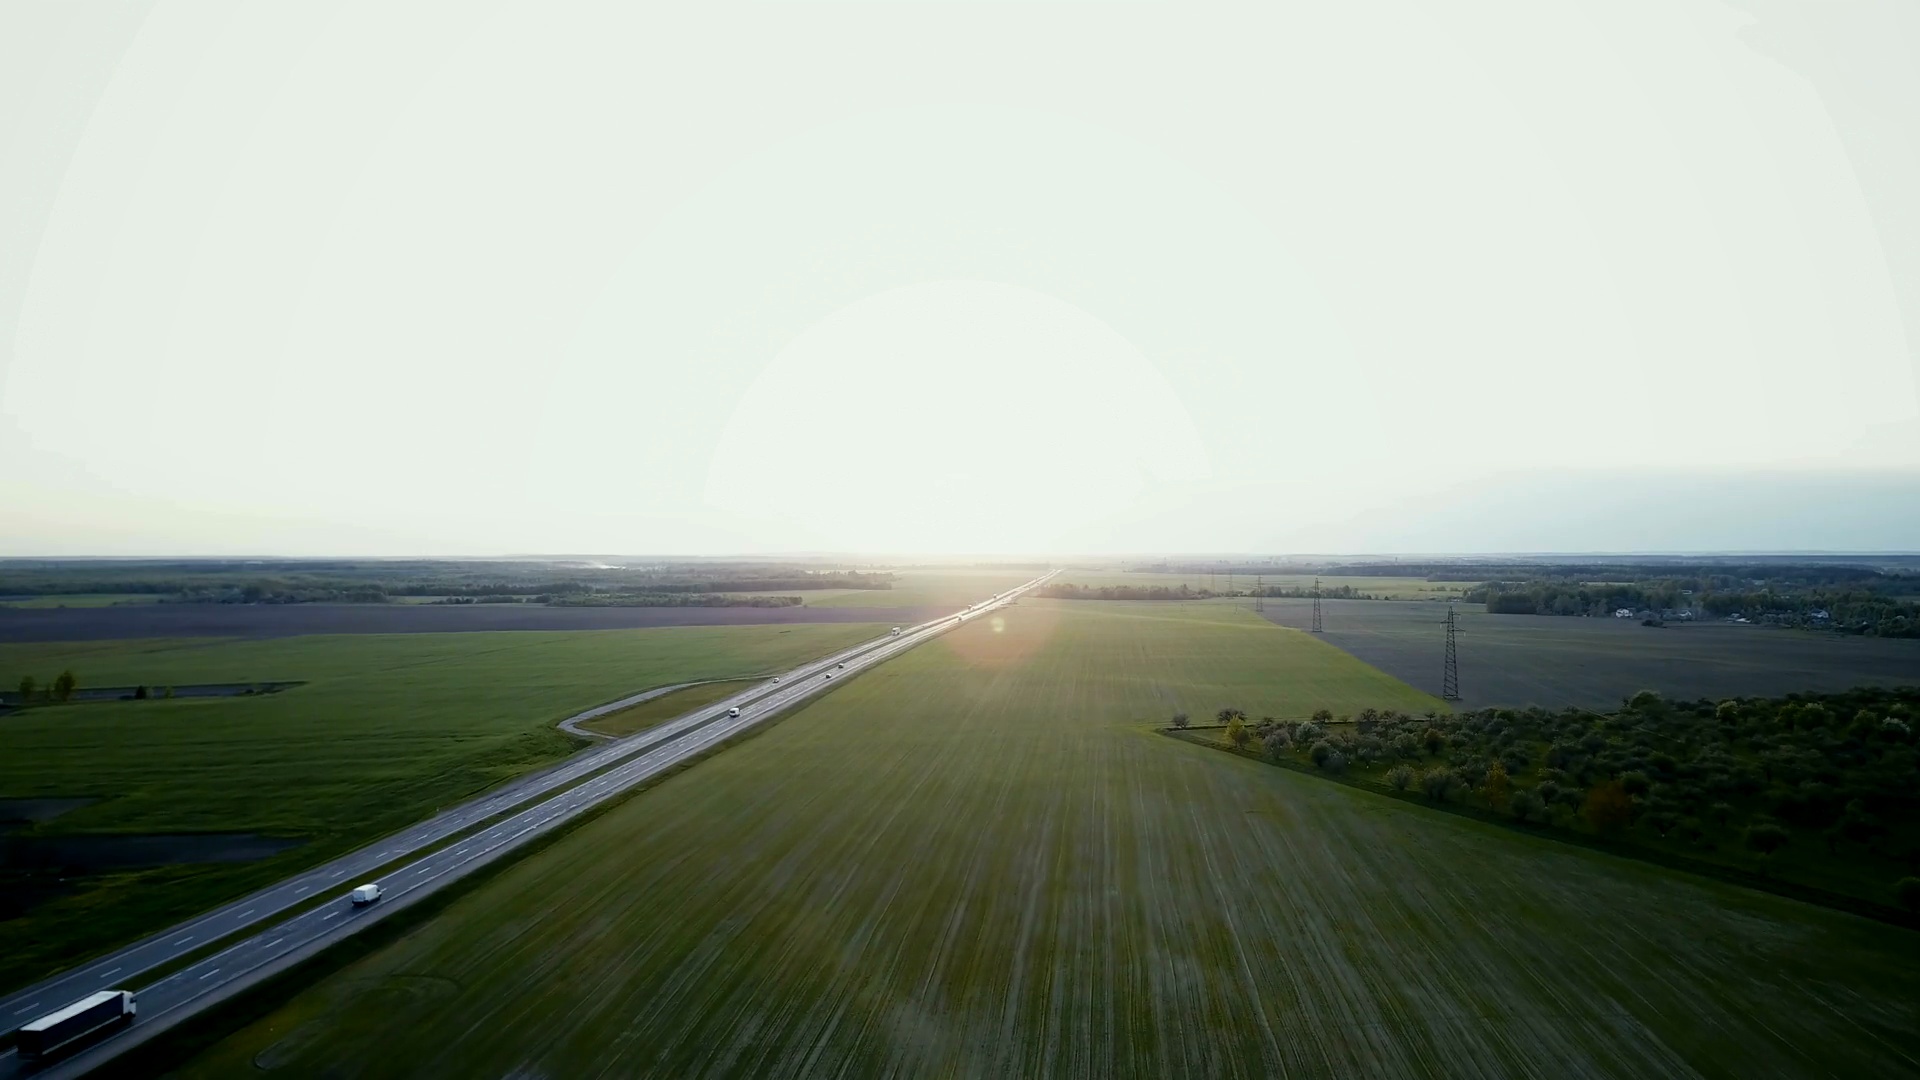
{"x":978,"y":860}
{"x":387,"y":729}
{"x":665,"y":707}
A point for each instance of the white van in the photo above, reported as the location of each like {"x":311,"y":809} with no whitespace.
{"x":366,"y":894}
{"x":735,"y":711}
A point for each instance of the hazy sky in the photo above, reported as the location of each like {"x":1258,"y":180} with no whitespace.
{"x":709,"y":277}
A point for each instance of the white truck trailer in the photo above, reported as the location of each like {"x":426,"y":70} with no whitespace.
{"x":41,"y":1037}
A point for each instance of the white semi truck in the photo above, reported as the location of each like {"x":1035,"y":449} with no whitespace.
{"x":41,"y":1037}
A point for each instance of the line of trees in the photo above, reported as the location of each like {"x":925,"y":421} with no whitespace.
{"x":62,"y":688}
{"x":672,"y":600}
{"x":1302,"y":592}
{"x":1833,"y":776}
{"x":252,"y":582}
{"x":649,"y":586}
{"x":1186,"y":592}
{"x":1854,"y":610}
{"x":1125,"y":592}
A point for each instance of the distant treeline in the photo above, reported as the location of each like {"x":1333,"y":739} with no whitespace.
{"x":1847,"y":610}
{"x":811,"y":582}
{"x":672,"y":600}
{"x":1702,"y":573}
{"x":1832,"y":778}
{"x":1299,"y":592}
{"x":216,"y":582}
{"x":1184,"y":592}
{"x":265,"y":593}
{"x":1124,"y":592}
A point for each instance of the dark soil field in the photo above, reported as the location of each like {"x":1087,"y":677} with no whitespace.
{"x":1554,"y":661}
{"x":293,"y":620}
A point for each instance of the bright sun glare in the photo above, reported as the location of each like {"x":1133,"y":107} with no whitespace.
{"x":953,"y":416}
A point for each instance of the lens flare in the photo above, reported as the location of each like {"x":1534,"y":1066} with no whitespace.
{"x":1006,"y":638}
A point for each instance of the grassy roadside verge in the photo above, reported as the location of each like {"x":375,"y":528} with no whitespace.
{"x":1853,"y":905}
{"x":656,"y":711}
{"x":385,"y":731}
{"x":180,"y":1043}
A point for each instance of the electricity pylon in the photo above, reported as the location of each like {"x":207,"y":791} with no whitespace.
{"x":1316,"y":607}
{"x":1450,"y":677}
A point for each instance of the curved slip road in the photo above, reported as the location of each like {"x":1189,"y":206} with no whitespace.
{"x":571,"y":725}
{"x":620,"y":764}
{"x":184,"y":938}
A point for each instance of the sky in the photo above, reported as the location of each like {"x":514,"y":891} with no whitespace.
{"x":959,"y":278}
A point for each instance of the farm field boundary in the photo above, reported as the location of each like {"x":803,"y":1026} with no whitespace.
{"x":1792,"y":890}
{"x":1556,"y":661}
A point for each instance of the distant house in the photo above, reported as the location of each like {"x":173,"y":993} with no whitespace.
{"x":1623,"y":613}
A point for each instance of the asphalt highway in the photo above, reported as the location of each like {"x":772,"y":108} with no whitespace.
{"x":533,"y":806}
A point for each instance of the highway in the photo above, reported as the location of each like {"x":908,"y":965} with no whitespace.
{"x":533,"y":806}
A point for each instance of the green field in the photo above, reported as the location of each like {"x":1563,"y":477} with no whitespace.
{"x":1385,"y":588}
{"x":665,"y":707}
{"x":977,"y":860}
{"x":386,"y":729}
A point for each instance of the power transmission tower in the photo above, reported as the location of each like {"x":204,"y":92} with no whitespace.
{"x":1260,"y":592}
{"x":1450,"y":678}
{"x":1316,"y":607}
